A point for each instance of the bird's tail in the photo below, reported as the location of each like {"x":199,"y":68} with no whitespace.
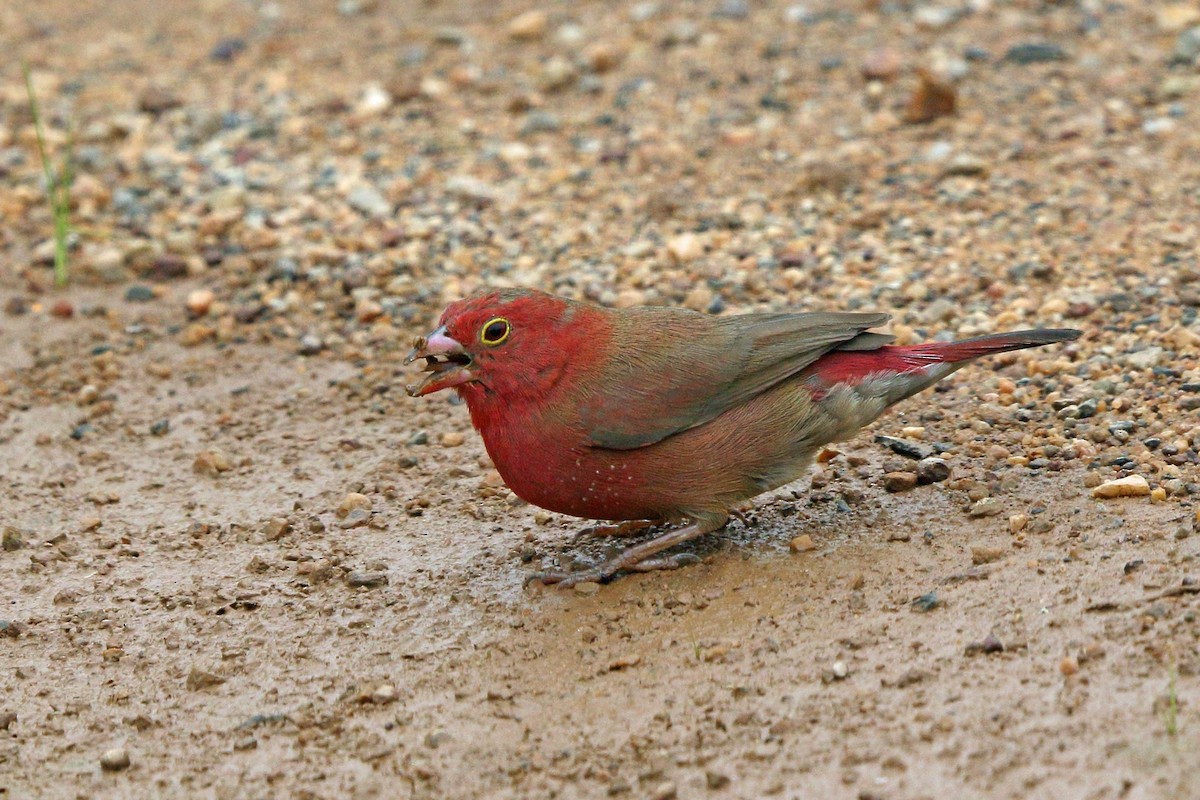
{"x":894,"y":372}
{"x":967,"y":349}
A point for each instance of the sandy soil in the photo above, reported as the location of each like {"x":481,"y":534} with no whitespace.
{"x":182,"y":581}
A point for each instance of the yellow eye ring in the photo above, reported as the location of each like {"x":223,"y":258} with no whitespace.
{"x":495,"y":331}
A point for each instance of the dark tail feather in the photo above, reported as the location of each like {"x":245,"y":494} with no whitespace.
{"x":968,"y":349}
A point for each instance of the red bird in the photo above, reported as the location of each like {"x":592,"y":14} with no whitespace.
{"x":668,"y":415}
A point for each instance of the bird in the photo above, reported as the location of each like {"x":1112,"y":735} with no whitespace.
{"x":658,"y":415}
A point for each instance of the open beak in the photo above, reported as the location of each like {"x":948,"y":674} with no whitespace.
{"x":447,"y":363}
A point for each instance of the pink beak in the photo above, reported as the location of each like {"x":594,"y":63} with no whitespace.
{"x":446,"y":361}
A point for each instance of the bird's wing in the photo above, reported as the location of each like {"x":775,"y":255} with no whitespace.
{"x":672,"y":369}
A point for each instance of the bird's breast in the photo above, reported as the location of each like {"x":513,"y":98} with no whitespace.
{"x":553,"y":467}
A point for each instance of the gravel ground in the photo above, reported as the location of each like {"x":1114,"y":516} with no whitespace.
{"x":239,"y":562}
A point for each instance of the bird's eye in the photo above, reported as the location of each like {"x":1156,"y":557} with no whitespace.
{"x":495,"y":332}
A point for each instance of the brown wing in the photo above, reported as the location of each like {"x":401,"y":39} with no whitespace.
{"x":674,"y":369}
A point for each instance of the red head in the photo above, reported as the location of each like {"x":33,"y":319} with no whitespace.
{"x":505,"y":345}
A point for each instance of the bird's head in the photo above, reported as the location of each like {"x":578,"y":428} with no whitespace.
{"x":503,"y":342}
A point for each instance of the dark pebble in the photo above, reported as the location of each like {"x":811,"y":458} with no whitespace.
{"x":227,"y":49}
{"x":79,"y":431}
{"x":904,"y":447}
{"x":249,"y":313}
{"x":990,"y":644}
{"x":540,"y":122}
{"x":160,"y":428}
{"x":926,"y":602}
{"x":139,"y":294}
{"x":1035,"y":53}
{"x":168,"y":267}
{"x":732,"y":9}
{"x":932,"y":470}
{"x":11,"y":628}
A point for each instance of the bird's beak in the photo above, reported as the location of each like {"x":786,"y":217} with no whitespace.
{"x":447,"y":363}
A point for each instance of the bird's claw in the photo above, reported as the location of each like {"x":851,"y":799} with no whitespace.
{"x":623,"y":529}
{"x":602,"y":573}
{"x":566,"y":580}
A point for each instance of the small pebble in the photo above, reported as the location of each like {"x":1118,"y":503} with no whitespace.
{"x":882,"y":64}
{"x":624,"y":662}
{"x":932,"y":470}
{"x":1034,"y":53}
{"x":905,"y":447}
{"x":384,"y":693}
{"x":351,"y":502}
{"x":926,"y":602}
{"x":139,"y":294}
{"x":664,"y":791}
{"x":587,"y":588}
{"x":527,"y":26}
{"x":115,"y":760}
{"x":1129,"y":486}
{"x":986,"y":507}
{"x":1068,"y":666}
{"x":899,"y":481}
{"x":371,"y":580}
{"x":983,"y":554}
{"x":199,"y":678}
{"x":199,"y":302}
{"x":211,"y":463}
{"x":685,"y":248}
{"x":12,"y":539}
{"x":311,"y":344}
{"x":355,"y":518}
{"x":933,"y":98}
{"x":802,"y":544}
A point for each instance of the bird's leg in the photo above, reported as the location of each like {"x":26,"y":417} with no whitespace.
{"x":627,"y":528}
{"x":638,"y":558}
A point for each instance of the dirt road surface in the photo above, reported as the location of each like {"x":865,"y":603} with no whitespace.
{"x":239,"y":563}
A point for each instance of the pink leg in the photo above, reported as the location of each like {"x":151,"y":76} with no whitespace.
{"x":638,"y":558}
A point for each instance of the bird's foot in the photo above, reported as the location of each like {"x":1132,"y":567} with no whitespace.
{"x":629,"y":528}
{"x":566,"y":579}
{"x":601,"y":573}
{"x":665,"y":562}
{"x":641,"y":557}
